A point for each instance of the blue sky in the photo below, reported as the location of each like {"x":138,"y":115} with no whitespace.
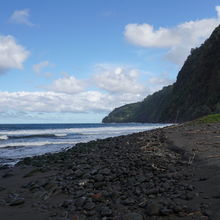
{"x":75,"y":60}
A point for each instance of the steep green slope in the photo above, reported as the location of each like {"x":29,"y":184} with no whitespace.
{"x":123,"y":114}
{"x":213,"y":118}
{"x":141,"y":111}
{"x":196,"y":92}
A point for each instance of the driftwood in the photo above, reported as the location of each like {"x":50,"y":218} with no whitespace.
{"x":213,"y":156}
{"x":192,"y":158}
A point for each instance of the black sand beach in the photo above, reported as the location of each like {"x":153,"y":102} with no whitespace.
{"x":170,"y":173}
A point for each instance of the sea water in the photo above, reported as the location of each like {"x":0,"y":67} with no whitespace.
{"x":25,"y":140}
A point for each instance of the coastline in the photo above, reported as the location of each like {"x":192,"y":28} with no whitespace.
{"x":169,"y":173}
{"x":19,"y":141}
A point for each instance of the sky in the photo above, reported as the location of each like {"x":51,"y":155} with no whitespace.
{"x":74,"y":61}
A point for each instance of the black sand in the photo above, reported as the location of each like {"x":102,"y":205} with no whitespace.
{"x":170,"y":173}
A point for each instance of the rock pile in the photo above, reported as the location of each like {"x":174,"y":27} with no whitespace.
{"x":132,"y":177}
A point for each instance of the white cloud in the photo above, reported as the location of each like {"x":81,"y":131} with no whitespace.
{"x":68,"y":94}
{"x":113,"y":86}
{"x":118,"y":79}
{"x":12,"y":55}
{"x":88,"y":101}
{"x":21,"y":17}
{"x":217,"y":8}
{"x":161,"y":80}
{"x":67,"y":84}
{"x":179,"y":40}
{"x":39,"y":66}
{"x":145,"y":35}
{"x":156,"y":83}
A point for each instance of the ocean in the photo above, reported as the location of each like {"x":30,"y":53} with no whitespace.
{"x":25,"y":140}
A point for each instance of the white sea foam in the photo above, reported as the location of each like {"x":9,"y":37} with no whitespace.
{"x":33,"y":144}
{"x":3,"y":137}
{"x":60,"y":135}
{"x":84,"y":131}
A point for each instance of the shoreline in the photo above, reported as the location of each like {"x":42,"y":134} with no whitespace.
{"x":156,"y":174}
{"x":29,"y":141}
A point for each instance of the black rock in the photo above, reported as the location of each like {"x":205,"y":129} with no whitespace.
{"x":80,"y":201}
{"x":133,"y":216}
{"x":128,"y":201}
{"x":105,"y":211}
{"x":17,"y":201}
{"x":165,"y":211}
{"x":89,"y":206}
{"x":105,"y":171}
{"x":153,"y":209}
{"x":79,"y":173}
{"x":7,"y":174}
{"x":2,"y":188}
{"x":99,"y":177}
{"x":67,"y":203}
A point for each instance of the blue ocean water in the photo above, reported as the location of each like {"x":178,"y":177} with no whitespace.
{"x":24,"y":140}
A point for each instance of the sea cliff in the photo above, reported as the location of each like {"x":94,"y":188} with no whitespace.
{"x":195,"y":93}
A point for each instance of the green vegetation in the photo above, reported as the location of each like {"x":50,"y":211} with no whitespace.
{"x":196,"y":92}
{"x":141,"y":111}
{"x":214,"y":118}
{"x":123,"y":114}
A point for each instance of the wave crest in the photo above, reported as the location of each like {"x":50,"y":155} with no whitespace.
{"x":3,"y":137}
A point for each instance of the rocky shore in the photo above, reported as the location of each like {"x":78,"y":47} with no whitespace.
{"x":170,"y":173}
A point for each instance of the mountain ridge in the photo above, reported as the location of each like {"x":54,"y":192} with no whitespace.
{"x":195,"y":93}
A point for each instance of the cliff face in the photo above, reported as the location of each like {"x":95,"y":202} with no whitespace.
{"x":195,"y":93}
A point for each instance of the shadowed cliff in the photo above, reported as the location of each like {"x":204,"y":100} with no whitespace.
{"x":195,"y":93}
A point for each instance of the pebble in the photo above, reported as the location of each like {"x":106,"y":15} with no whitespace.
{"x":165,"y":211}
{"x":128,"y":201}
{"x":2,"y":202}
{"x":143,"y":203}
{"x":79,"y":217}
{"x":133,"y":216}
{"x":105,"y":211}
{"x":79,"y":173}
{"x":2,"y":188}
{"x":67,"y":203}
{"x":17,"y":201}
{"x":80,"y":202}
{"x":105,"y":171}
{"x":7,"y":174}
{"x":89,"y":206}
{"x":99,"y":177}
{"x":153,"y":209}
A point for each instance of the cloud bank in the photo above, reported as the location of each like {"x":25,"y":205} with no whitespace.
{"x":179,"y":40}
{"x":83,"y":102}
{"x":112,"y":86}
{"x":52,"y":102}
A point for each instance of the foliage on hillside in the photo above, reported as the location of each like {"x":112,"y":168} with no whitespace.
{"x":213,"y":118}
{"x":141,"y":111}
{"x":195,"y":93}
{"x":123,"y":114}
